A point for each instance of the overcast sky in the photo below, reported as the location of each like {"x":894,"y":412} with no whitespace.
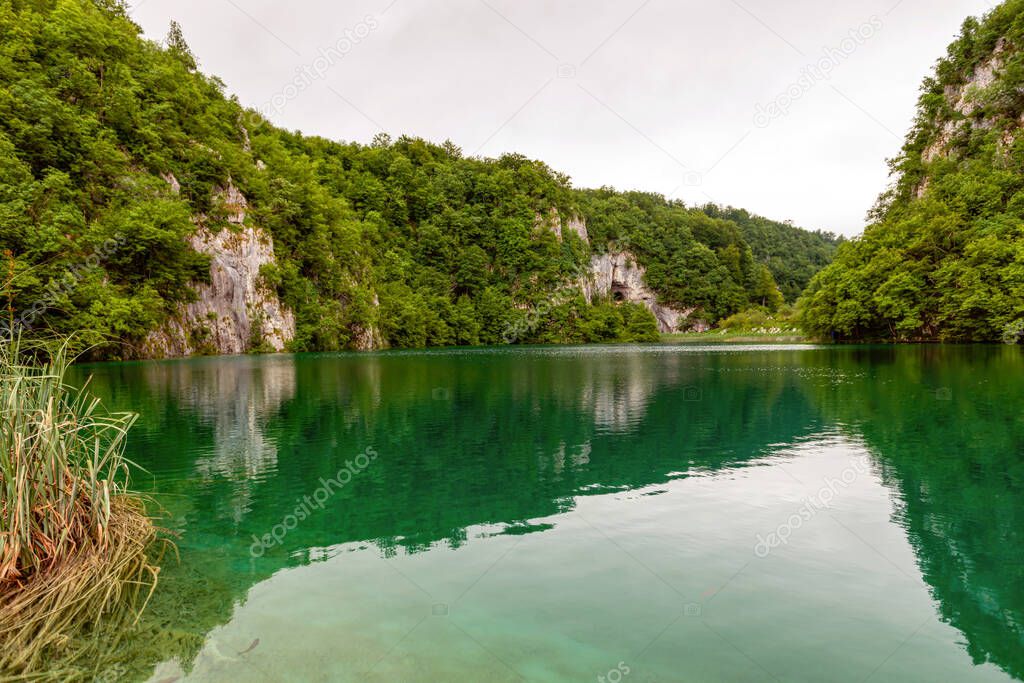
{"x":788,"y":108}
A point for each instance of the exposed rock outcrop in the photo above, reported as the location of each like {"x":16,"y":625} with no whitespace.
{"x":232,"y":203}
{"x":172,"y":181}
{"x":369,"y":338}
{"x":965,"y":100}
{"x":619,"y":275}
{"x":553,"y":221}
{"x":576,"y":226}
{"x":967,"y":97}
{"x":234,"y":313}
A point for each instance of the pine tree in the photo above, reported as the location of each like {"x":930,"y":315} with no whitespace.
{"x":176,"y":43}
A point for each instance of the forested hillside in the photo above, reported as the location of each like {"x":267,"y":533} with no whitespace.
{"x":114,"y":151}
{"x":944,"y":259}
{"x":794,"y":256}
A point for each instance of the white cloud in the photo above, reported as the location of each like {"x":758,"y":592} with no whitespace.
{"x":661,"y":90}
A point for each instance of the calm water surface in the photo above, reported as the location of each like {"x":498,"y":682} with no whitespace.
{"x":585,"y":514}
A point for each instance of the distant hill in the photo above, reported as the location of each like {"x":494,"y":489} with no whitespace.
{"x":793,"y":255}
{"x":149,"y":212}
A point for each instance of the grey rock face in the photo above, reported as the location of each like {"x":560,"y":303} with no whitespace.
{"x":369,"y":338}
{"x":553,"y":221}
{"x":172,"y":181}
{"x":235,"y":312}
{"x":618,"y":275}
{"x":966,"y":100}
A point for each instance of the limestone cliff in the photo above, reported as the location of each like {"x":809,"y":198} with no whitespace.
{"x":234,"y":312}
{"x":620,"y":276}
{"x":965,"y":100}
{"x":976,"y":101}
{"x":554,"y":222}
{"x":369,"y":338}
{"x":941,"y":259}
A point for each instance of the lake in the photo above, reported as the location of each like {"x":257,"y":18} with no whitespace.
{"x":789,"y":513}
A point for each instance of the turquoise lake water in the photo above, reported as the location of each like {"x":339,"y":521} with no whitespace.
{"x":586,"y":514}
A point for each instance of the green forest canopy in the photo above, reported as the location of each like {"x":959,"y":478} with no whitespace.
{"x":944,"y":258}
{"x":412,"y":239}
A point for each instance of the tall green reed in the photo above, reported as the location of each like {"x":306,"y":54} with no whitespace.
{"x":61,"y":462}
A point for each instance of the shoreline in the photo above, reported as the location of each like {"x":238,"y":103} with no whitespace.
{"x":684,"y":339}
{"x":719,"y":338}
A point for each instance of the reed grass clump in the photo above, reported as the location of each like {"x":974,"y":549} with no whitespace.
{"x":76,"y":558}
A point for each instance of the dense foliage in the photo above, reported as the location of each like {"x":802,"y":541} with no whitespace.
{"x":945,"y":256}
{"x":794,"y":256}
{"x":759,"y":322}
{"x":112,"y":148}
{"x":693,"y":259}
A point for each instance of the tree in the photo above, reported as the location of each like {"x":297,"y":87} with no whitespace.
{"x":178,"y":46}
{"x":107,"y":137}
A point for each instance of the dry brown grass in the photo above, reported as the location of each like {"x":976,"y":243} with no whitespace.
{"x":76,"y":563}
{"x":64,"y":623}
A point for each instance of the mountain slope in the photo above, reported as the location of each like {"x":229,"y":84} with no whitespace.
{"x":793,"y":255}
{"x":150,"y":213}
{"x":945,"y":258}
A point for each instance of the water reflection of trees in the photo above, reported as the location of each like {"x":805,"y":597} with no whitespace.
{"x":222,"y":405}
{"x":947,"y":427}
{"x":506,"y":438}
